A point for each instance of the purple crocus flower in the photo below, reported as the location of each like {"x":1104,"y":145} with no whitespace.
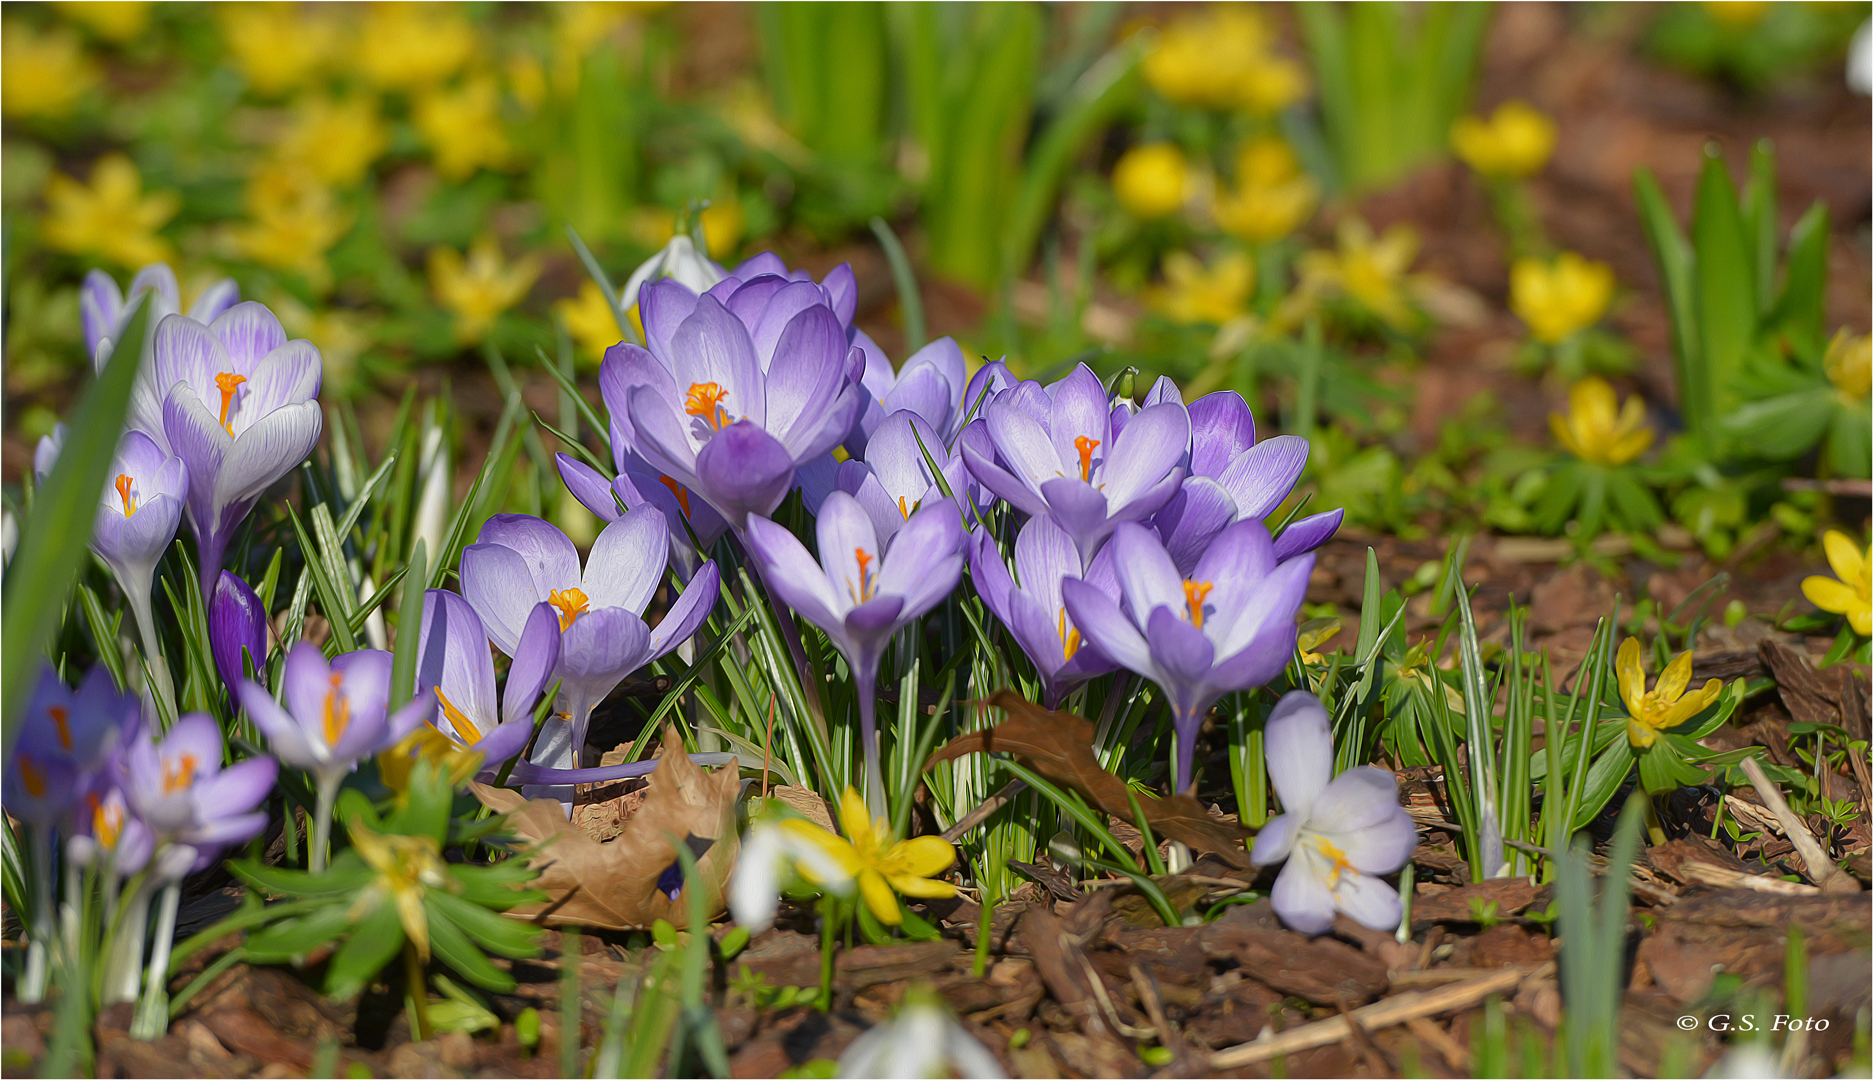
{"x":935,"y":384}
{"x":66,"y":737}
{"x":335,"y":714}
{"x":860,"y":592}
{"x":1032,"y":609}
{"x":104,"y":310}
{"x":107,"y":833}
{"x":695,"y":526}
{"x":739,"y":386}
{"x":895,"y":477}
{"x":453,"y":663}
{"x":237,"y":631}
{"x":1233,"y":478}
{"x":176,"y":786}
{"x":1053,"y":451}
{"x":235,"y":400}
{"x":46,"y":453}
{"x":518,"y":562}
{"x":1228,"y":626}
{"x":1336,"y":832}
{"x":136,"y":521}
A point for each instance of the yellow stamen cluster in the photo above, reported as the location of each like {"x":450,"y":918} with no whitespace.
{"x":705,"y":400}
{"x":337,"y":711}
{"x":1667,"y":704}
{"x":571,"y":603}
{"x":1195,"y":592}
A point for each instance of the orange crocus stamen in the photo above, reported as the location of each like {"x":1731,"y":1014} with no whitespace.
{"x":681,"y":493}
{"x":866,"y":585}
{"x":571,"y":604}
{"x":337,"y":711}
{"x":124,"y":492}
{"x":1194,"y":594}
{"x":464,"y":727}
{"x":1086,"y":447}
{"x":229,"y":382}
{"x":705,"y":400}
{"x":106,"y":823}
{"x":1069,"y":637}
{"x":34,"y":779}
{"x":903,"y":507}
{"x":61,"y":717}
{"x":178,"y":774}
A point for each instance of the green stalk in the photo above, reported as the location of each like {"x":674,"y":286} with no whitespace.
{"x":320,"y":848}
{"x":152,"y":1018}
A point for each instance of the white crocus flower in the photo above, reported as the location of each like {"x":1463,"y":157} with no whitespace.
{"x":679,"y":259}
{"x":921,"y":1041}
{"x":771,"y":853}
{"x":1337,"y":832}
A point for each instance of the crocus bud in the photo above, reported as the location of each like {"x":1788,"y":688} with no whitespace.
{"x":237,"y":624}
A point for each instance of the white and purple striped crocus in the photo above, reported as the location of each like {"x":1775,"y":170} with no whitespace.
{"x":235,"y":400}
{"x":137,"y":519}
{"x":1028,"y":602}
{"x":1232,"y":477}
{"x":737,"y":388}
{"x":1337,"y":833}
{"x":104,"y":309}
{"x":519,"y":562}
{"x":1055,"y":450}
{"x":1227,"y":626}
{"x":862,"y":592}
{"x":454,"y":664}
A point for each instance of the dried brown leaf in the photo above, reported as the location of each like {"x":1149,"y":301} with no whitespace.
{"x":614,"y":884}
{"x":1059,"y":746}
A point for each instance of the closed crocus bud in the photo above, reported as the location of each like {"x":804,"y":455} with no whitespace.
{"x":237,"y":625}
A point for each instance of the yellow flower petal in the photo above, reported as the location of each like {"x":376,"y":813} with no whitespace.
{"x":1861,"y":619}
{"x":855,"y":820}
{"x":1673,"y":680}
{"x":1631,"y":677}
{"x":1843,"y":555}
{"x":1828,"y":594}
{"x":833,"y":847}
{"x":922,"y":887}
{"x":1639,"y":735}
{"x":879,"y":897}
{"x":1691,"y":704}
{"x":920,"y":856}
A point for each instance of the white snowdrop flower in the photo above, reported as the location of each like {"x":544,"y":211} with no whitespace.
{"x":921,"y":1041}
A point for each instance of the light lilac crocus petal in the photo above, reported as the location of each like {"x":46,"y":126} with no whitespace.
{"x":1101,"y":622}
{"x":787,"y":569}
{"x":283,"y":733}
{"x":498,"y":585}
{"x":1221,"y":427}
{"x":240,"y":787}
{"x":550,"y":558}
{"x":771,"y":307}
{"x":289,"y":375}
{"x":1025,"y":446}
{"x":627,"y":367}
{"x":1300,"y":897}
{"x":1081,"y":509}
{"x":1368,"y":901}
{"x":1264,"y":475}
{"x":1079,"y":411}
{"x":744,"y":470}
{"x":849,"y":552}
{"x":46,"y":454}
{"x":1192,"y":518}
{"x":1181,"y":654}
{"x":1307,"y":534}
{"x":712,"y":346}
{"x":534,"y":661}
{"x":1147,"y":577}
{"x":980,"y":455}
{"x":1151,"y":446}
{"x":100,"y":305}
{"x":1275,"y":840}
{"x":923,"y":392}
{"x":499,"y":746}
{"x":411,"y":715}
{"x":214,"y":300}
{"x":586,"y":485}
{"x":663,"y":305}
{"x":1298,"y":744}
{"x":924,"y":562}
{"x":1359,"y":811}
{"x":248,"y":331}
{"x":688,"y":614}
{"x":306,"y":679}
{"x":627,"y":561}
{"x":1262,"y":638}
{"x":452,"y":656}
{"x":990,"y":575}
{"x":268,"y":449}
{"x":600,"y":648}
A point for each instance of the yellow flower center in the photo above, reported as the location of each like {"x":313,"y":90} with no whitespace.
{"x":705,"y":400}
{"x":1086,"y":447}
{"x":1069,"y":636}
{"x":106,"y":822}
{"x":903,"y":507}
{"x":1195,"y":592}
{"x":571,"y":604}
{"x":179,"y":773}
{"x":337,"y":711}
{"x":1333,"y":855}
{"x":126,"y":493}
{"x":228,"y":382}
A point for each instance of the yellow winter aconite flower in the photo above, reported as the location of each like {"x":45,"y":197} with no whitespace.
{"x":589,"y":320}
{"x":883,"y":866}
{"x":111,"y":216}
{"x":1666,"y":705}
{"x":112,"y":20}
{"x":479,"y":289}
{"x":1272,"y":196}
{"x":1223,"y":58}
{"x":462,"y":127}
{"x":1365,"y":268}
{"x":1150,"y":181}
{"x":1737,"y":14}
{"x":1192,"y":294}
{"x":1516,"y":141}
{"x":1849,"y":365}
{"x":409,"y":46}
{"x":426,"y":743}
{"x":1561,"y":298}
{"x":1313,"y":634}
{"x":294,"y":221}
{"x":407,"y":867}
{"x":279,"y":47}
{"x":1852,"y":594}
{"x":335,"y":139}
{"x":41,"y":74}
{"x":1597,"y":428}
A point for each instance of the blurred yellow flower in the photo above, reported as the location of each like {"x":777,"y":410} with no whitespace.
{"x":41,"y":74}
{"x":1366,"y":269}
{"x":335,"y":139}
{"x":1849,"y":365}
{"x":409,"y":46}
{"x":1192,"y":294}
{"x":526,"y":80}
{"x":342,"y":334}
{"x":1223,"y":58}
{"x":111,"y":216}
{"x":462,"y":127}
{"x":723,"y":223}
{"x":581,"y":24}
{"x":1666,"y":705}
{"x":278,"y":46}
{"x":294,"y":221}
{"x":1516,"y":141}
{"x":1561,"y":298}
{"x":112,"y":20}
{"x":406,"y":868}
{"x":479,"y":289}
{"x":1737,"y":14}
{"x":426,"y":743}
{"x":589,"y":320}
{"x":1597,"y":428}
{"x":1272,"y":196}
{"x":1315,"y":633}
{"x":1151,"y":181}
{"x":1852,"y":595}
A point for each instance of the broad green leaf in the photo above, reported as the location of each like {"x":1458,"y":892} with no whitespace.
{"x":1802,"y":308}
{"x":1673,"y":256}
{"x":375,"y":940}
{"x":1726,"y":282}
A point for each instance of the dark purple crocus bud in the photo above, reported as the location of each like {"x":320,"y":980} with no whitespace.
{"x":237,"y":624}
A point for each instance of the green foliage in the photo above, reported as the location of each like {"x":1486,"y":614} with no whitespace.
{"x":1753,"y":46}
{"x":1593,"y":952}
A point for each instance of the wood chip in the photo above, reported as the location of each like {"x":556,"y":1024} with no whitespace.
{"x":1725,"y":878}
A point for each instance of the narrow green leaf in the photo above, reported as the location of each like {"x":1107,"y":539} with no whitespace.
{"x":409,"y":622}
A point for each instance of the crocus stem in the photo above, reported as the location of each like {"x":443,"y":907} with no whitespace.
{"x":1184,"y":735}
{"x":161,"y":683}
{"x":827,"y":932}
{"x":32,"y":985}
{"x":126,"y":959}
{"x":867,"y":686}
{"x":153,"y":1014}
{"x":320,"y":848}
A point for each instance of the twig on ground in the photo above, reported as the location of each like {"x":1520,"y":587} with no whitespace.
{"x":1821,"y":868}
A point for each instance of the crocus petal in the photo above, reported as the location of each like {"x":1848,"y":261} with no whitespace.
{"x":924,"y":562}
{"x":282,"y":731}
{"x":689,"y":612}
{"x":214,"y":300}
{"x":601,"y":647}
{"x":587,"y":486}
{"x":249,"y":331}
{"x":1191,"y":520}
{"x":273,"y":446}
{"x":808,"y":369}
{"x":498,"y":585}
{"x":1182,"y":654}
{"x":1024,"y":444}
{"x":307,"y":679}
{"x":1079,"y":411}
{"x":1368,"y":901}
{"x":549,"y":556}
{"x":627,"y":561}
{"x":979,"y":454}
{"x":452,"y":658}
{"x":754,"y":885}
{"x":1359,"y":798}
{"x":1151,"y":446}
{"x":791,"y":573}
{"x":663,"y":305}
{"x":1300,"y":896}
{"x":499,"y":746}
{"x":1101,"y":622}
{"x":240,"y":787}
{"x":1147,"y":576}
{"x":534,"y":660}
{"x":712,"y":346}
{"x":1275,"y":840}
{"x":1221,"y":427}
{"x":1298,"y":742}
{"x":1307,"y":534}
{"x":743,"y":470}
{"x":1265,"y":474}
{"x":289,"y":375}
